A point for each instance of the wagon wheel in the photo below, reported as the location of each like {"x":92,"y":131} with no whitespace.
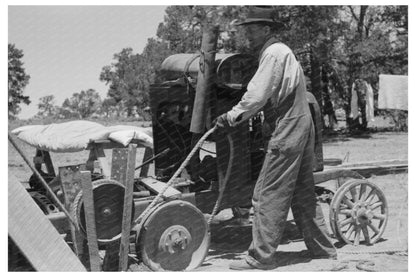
{"x":174,"y":237}
{"x":358,"y":211}
{"x":108,"y":206}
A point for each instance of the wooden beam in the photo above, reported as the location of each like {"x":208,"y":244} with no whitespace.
{"x":332,"y":174}
{"x":34,"y":234}
{"x":89,"y":210}
{"x":119,"y":165}
{"x":127,"y":207}
{"x":157,"y":187}
{"x":366,"y":169}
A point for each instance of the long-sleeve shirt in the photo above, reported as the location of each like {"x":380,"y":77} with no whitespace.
{"x":276,"y":76}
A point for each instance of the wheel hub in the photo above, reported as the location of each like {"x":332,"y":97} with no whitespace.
{"x":174,"y":239}
{"x":361,"y":213}
{"x":106,"y":211}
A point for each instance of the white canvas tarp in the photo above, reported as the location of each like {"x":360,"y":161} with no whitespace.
{"x":75,"y":135}
{"x":392,"y":92}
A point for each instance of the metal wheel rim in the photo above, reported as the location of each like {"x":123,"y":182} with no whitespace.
{"x":102,"y":237}
{"x":358,"y":212}
{"x":148,"y":240}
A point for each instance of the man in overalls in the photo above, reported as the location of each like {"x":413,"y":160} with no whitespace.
{"x":286,"y":178}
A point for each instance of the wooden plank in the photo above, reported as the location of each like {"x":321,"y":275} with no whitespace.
{"x":71,"y":185}
{"x":378,"y":170}
{"x":375,"y":163}
{"x":119,"y":165}
{"x":35,"y":235}
{"x":111,"y":257}
{"x":59,"y":221}
{"x":127,"y":208}
{"x":156,"y":186}
{"x":332,"y":174}
{"x":89,"y":210}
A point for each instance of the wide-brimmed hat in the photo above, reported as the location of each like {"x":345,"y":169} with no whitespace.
{"x":260,"y":15}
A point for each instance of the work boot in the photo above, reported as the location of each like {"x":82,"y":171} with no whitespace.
{"x":244,"y":265}
{"x":241,"y":265}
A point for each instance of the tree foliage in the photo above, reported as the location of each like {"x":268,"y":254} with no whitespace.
{"x":182,"y":27}
{"x":336,"y":46}
{"x":47,"y":106}
{"x":125,"y":81}
{"x":17,"y":80}
{"x":81,"y":105}
{"x":375,"y":43}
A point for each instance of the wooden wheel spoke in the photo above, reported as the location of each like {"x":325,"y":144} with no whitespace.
{"x":349,"y":232}
{"x":374,"y":228}
{"x":348,"y":202}
{"x":358,"y":212}
{"x":354,"y":194}
{"x":345,"y":211}
{"x":371,"y":196}
{"x":380,"y":216}
{"x":343,"y":206}
{"x":357,"y":235}
{"x":376,"y":205}
{"x":366,"y":235}
{"x":363,"y":190}
{"x":344,"y":222}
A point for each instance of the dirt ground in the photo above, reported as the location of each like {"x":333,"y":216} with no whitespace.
{"x":389,"y":254}
{"x":230,"y":243}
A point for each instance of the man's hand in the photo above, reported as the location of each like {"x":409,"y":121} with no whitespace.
{"x":221,"y":121}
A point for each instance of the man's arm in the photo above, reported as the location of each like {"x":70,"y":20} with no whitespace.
{"x":259,"y":89}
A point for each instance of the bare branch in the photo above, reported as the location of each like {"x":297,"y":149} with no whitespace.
{"x":353,"y":13}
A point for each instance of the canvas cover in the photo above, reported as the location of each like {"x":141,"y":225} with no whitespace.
{"x":75,"y":135}
{"x":392,"y":93}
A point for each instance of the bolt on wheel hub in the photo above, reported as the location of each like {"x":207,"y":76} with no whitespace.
{"x":106,"y":212}
{"x":176,"y":238}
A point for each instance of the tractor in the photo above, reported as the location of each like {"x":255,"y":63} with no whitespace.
{"x":195,"y":176}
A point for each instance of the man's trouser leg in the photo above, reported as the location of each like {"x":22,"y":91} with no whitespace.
{"x":272,"y":198}
{"x":307,"y":212}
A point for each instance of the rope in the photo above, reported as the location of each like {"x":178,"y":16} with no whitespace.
{"x":178,"y":171}
{"x":223,"y":181}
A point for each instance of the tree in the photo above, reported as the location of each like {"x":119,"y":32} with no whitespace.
{"x":376,"y":42}
{"x":46,"y":105}
{"x":17,"y":80}
{"x":108,"y":106}
{"x":124,"y":78}
{"x":82,"y":104}
{"x":182,"y":27}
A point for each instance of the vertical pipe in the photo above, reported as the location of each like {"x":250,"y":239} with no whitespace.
{"x":206,"y":77}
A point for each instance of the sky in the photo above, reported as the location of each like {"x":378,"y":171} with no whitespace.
{"x":65,"y":47}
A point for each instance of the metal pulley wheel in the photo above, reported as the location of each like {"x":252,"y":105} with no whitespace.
{"x":108,"y":198}
{"x":358,"y":212}
{"x":173,"y":237}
